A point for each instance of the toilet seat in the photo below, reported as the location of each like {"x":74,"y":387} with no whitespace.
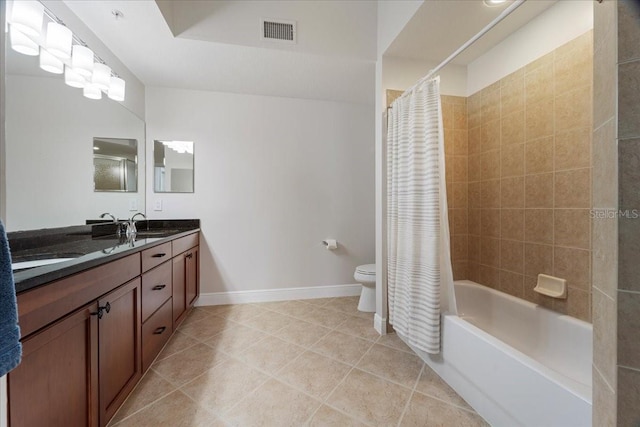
{"x":366,"y":270}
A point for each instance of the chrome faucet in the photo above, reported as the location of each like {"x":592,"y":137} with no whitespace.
{"x":131,"y":226}
{"x":113,"y":218}
{"x":121,"y":228}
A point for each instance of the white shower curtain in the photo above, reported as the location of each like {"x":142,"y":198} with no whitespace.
{"x":420,"y":280}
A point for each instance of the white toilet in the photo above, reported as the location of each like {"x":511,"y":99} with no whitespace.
{"x":366,"y":274}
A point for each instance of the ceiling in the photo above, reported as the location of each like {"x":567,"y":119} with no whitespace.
{"x":429,"y":36}
{"x":224,"y":58}
{"x":331,"y":28}
{"x":215,"y":45}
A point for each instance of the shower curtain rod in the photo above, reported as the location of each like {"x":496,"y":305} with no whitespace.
{"x":513,"y":6}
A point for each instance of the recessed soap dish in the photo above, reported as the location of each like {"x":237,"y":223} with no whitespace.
{"x":553,"y":287}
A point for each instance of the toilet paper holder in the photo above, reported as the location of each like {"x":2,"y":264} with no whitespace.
{"x":330,"y":244}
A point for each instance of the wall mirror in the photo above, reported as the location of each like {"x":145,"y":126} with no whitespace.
{"x":115,"y":164}
{"x":50,"y":129}
{"x":173,"y":166}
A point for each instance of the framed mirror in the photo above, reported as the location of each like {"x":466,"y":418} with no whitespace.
{"x":115,"y":164}
{"x":173,"y":166}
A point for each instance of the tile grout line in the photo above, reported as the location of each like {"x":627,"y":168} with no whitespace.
{"x":147,"y":405}
{"x":227,"y":355}
{"x":220,"y":414}
{"x":413,"y":390}
{"x":272,"y":376}
{"x":275,"y":375}
{"x":325,"y":401}
{"x":351,"y":370}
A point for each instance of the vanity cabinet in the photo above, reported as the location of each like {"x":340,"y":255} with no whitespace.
{"x":185,"y":276}
{"x":57,"y":380}
{"x":88,"y":338}
{"x":119,"y":349}
{"x":157,"y":288}
{"x":77,"y":370}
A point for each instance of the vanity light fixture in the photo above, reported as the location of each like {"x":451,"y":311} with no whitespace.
{"x":27,"y":16}
{"x":21,"y":43}
{"x":73,"y":79}
{"x":179,"y":147}
{"x":101,"y":76}
{"x":82,"y":60}
{"x":50,"y":63}
{"x":58,"y":41}
{"x":92,"y":91}
{"x":116,"y":89}
{"x":493,"y":3}
{"x":60,"y":51}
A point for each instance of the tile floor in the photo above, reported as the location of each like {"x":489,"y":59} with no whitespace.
{"x":295,"y":363}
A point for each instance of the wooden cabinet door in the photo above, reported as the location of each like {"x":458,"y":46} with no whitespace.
{"x":179,"y":289}
{"x":120,"y":362}
{"x":57,"y":382}
{"x":191,"y":274}
{"x":185,"y":283}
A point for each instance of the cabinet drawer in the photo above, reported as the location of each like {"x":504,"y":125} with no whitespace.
{"x":46,"y":304}
{"x":184,"y":243}
{"x":156,"y":255}
{"x":155,"y":333}
{"x":156,"y":288}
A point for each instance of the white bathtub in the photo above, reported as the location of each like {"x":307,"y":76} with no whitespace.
{"x":514,"y":362}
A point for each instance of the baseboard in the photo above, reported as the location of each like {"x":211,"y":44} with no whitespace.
{"x":283,"y":294}
{"x":380,"y":324}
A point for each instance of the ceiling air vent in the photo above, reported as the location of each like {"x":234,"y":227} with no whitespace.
{"x":278,"y":30}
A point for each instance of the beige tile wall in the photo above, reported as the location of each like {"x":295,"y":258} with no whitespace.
{"x":605,"y":229}
{"x":529,"y":178}
{"x":454,"y":117}
{"x":628,"y":142}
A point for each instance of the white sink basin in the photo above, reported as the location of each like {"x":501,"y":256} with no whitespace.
{"x":37,"y":263}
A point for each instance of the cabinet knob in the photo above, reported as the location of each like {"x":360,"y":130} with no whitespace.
{"x":160,"y":330}
{"x":158,"y":287}
{"x":160,"y":255}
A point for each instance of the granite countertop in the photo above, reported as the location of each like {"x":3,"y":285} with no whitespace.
{"x":88,"y":245}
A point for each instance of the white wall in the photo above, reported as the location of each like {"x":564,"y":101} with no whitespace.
{"x":556,"y":26}
{"x":393,"y":15}
{"x":273,"y":178}
{"x":49,"y":149}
